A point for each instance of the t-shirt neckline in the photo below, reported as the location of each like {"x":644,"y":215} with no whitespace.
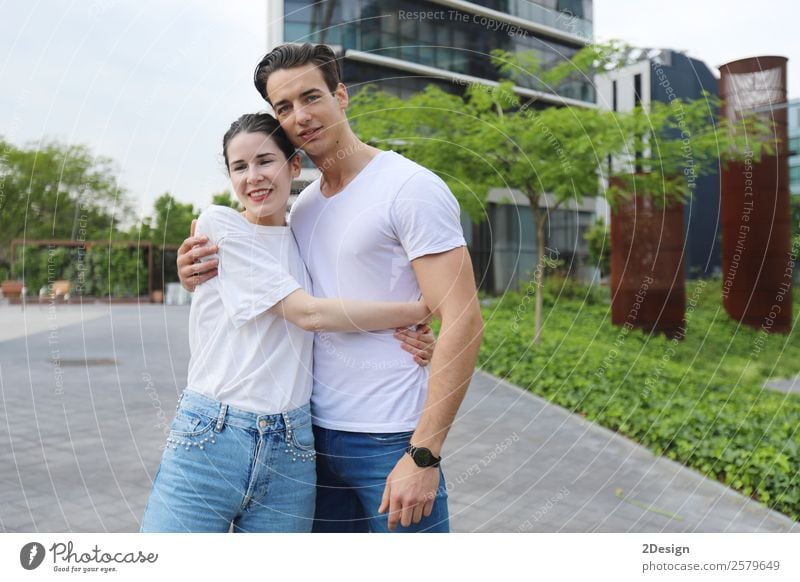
{"x":260,"y":227}
{"x":354,"y":180}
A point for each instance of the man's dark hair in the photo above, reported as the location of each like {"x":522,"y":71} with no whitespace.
{"x":289,"y":56}
{"x":258,"y":123}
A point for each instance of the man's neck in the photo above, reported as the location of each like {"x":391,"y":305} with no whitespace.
{"x":341,"y":165}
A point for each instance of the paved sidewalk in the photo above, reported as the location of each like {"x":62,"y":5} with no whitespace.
{"x":86,"y":402}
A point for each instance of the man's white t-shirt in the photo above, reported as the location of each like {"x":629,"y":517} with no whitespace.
{"x":241,"y":355}
{"x":359,"y":244}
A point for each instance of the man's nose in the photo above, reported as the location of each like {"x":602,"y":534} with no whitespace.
{"x":302,"y":115}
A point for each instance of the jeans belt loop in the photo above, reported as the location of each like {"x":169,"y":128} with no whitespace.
{"x":287,"y":421}
{"x":221,"y":418}
{"x":180,"y":397}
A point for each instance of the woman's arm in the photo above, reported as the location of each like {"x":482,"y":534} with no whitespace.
{"x":315,"y":314}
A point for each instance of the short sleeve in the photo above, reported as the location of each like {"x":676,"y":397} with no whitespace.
{"x":250,"y":278}
{"x":426,"y":217}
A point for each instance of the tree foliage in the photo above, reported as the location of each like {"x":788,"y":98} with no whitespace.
{"x":494,"y":138}
{"x":58,"y":191}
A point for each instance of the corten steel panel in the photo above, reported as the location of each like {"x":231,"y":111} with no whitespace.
{"x":756,"y":221}
{"x":647,"y":275}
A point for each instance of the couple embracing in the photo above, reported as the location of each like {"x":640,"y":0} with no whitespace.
{"x":304,"y":409}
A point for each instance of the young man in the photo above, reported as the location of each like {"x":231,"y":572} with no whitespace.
{"x":374,"y":226}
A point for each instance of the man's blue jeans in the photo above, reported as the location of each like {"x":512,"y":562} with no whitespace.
{"x":351,"y":475}
{"x":224,"y":466}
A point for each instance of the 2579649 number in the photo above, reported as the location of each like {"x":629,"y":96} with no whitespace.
{"x":755,"y":565}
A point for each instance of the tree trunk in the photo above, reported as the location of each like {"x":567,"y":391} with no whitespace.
{"x":539,"y":221}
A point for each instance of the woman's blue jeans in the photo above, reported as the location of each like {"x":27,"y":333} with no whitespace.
{"x":225,"y":467}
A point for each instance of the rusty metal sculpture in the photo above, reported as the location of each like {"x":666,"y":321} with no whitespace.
{"x":756,"y":229}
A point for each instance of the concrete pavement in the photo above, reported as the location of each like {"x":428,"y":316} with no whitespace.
{"x":86,"y":397}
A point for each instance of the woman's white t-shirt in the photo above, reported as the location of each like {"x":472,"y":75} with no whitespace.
{"x":242,"y":355}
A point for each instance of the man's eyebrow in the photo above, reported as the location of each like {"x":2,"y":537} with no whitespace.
{"x":303,"y":94}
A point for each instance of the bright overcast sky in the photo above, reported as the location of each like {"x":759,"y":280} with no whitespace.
{"x":154,"y":84}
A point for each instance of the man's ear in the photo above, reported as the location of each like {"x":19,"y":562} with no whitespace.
{"x":341,"y":95}
{"x":296,"y":164}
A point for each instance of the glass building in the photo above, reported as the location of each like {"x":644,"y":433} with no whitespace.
{"x":405,"y":45}
{"x":794,"y":150}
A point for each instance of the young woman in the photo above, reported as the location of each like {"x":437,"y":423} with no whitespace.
{"x":240,"y":452}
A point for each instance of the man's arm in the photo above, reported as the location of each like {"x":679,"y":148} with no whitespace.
{"x":448,"y":285}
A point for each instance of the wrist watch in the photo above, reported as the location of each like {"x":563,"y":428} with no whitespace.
{"x":423,"y":457}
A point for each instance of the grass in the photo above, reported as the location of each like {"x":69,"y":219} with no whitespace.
{"x":699,"y":401}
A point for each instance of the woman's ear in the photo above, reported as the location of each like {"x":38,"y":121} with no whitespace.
{"x":295,"y":164}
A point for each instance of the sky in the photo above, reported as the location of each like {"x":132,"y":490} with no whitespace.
{"x":154,"y":84}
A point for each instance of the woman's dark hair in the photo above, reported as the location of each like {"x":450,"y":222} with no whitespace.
{"x":289,"y":56}
{"x":258,"y":123}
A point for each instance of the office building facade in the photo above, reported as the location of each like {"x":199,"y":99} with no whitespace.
{"x":405,"y":45}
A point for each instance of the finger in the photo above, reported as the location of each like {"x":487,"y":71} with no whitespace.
{"x":394,"y":513}
{"x":414,"y":343}
{"x":191,"y":242}
{"x":195,"y":255}
{"x":405,"y":516}
{"x":427,"y":509}
{"x":421,"y":361}
{"x":200,"y":279}
{"x":195,"y":269}
{"x":416,"y":515}
{"x":200,"y":252}
{"x":384,"y":500}
{"x":424,"y":328}
{"x":193,"y":227}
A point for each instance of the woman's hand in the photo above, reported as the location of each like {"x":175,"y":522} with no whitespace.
{"x":192,"y":270}
{"x":420,"y":343}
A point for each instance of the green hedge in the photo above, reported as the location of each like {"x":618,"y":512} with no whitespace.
{"x":99,"y":271}
{"x":698,"y":401}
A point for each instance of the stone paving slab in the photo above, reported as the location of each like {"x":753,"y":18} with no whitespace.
{"x":790,"y":386}
{"x":516,"y":462}
{"x":83,"y":443}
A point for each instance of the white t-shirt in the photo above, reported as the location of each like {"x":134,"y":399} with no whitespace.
{"x":241,"y":355}
{"x":359,"y":244}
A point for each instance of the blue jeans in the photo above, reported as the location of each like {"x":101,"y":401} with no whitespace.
{"x":351,"y":475}
{"x":226,"y":467}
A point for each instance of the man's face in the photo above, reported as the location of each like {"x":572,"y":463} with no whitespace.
{"x":309,"y":113}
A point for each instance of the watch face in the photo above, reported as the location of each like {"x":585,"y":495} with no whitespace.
{"x":423,"y":457}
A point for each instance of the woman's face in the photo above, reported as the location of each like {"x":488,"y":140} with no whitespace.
{"x":261,"y":177}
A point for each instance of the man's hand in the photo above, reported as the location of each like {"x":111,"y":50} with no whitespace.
{"x":409,"y":493}
{"x":419,"y":343}
{"x":191,"y":271}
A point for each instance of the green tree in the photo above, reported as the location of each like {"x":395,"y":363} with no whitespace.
{"x":599,"y":239}
{"x":224,"y":198}
{"x":170,"y":222}
{"x":58,"y":191}
{"x":491,"y":137}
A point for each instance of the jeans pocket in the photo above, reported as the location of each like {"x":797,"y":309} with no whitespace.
{"x":302,"y":438}
{"x":189,"y":423}
{"x":390,"y":438}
